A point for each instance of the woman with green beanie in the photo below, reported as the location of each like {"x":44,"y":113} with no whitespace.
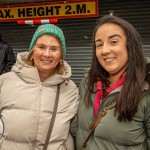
{"x":37,"y":98}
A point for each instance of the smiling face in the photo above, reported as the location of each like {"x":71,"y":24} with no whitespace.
{"x":111,"y":50}
{"x":47,"y":54}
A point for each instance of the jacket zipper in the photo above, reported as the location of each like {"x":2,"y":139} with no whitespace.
{"x":38,"y":114}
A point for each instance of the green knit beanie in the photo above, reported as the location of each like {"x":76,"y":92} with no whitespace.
{"x":52,"y":30}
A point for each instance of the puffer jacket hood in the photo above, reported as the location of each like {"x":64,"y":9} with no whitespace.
{"x":30,"y":74}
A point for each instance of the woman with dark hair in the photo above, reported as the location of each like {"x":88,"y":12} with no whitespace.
{"x":114,"y":108}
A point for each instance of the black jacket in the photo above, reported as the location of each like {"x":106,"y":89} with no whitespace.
{"x":7,"y":57}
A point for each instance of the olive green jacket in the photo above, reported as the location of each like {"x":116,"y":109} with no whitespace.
{"x":110,"y":134}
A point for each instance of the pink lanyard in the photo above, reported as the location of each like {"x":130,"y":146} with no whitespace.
{"x":99,"y":97}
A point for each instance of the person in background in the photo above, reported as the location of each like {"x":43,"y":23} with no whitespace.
{"x":119,"y":77}
{"x":7,"y":56}
{"x":28,"y":92}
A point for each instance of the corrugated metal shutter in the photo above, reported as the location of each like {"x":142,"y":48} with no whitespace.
{"x":78,"y":32}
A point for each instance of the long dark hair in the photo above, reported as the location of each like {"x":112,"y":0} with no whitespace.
{"x":128,"y":99}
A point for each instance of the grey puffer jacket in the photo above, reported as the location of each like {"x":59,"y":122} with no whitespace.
{"x":26,"y":106}
{"x":110,"y":134}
